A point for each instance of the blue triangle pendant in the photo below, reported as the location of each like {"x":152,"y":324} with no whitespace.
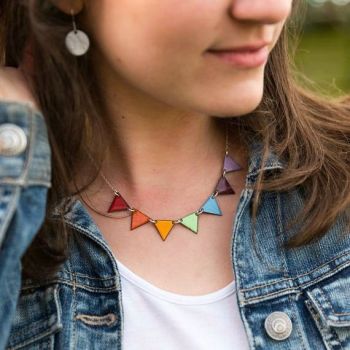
{"x":211,"y":207}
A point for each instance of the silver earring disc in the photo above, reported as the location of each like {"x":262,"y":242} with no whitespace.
{"x":77,"y":42}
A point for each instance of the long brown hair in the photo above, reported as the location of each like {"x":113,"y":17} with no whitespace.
{"x":309,"y":133}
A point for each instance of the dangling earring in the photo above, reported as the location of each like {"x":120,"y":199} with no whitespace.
{"x":77,"y":42}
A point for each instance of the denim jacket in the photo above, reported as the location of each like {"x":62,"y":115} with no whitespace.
{"x":288,"y":299}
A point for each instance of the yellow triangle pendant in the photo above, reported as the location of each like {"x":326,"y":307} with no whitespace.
{"x":164,"y":227}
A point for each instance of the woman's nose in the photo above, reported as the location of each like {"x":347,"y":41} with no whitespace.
{"x":266,"y":11}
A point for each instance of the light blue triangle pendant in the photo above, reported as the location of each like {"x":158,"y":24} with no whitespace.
{"x":211,"y":207}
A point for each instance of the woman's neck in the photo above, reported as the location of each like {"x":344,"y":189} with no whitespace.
{"x":164,"y":156}
{"x":159,"y":151}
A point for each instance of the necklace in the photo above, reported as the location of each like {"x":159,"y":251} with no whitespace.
{"x":190,"y":221}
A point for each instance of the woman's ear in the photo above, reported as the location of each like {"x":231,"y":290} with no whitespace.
{"x":67,"y":6}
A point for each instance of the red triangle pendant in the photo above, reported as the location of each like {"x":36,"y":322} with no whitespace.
{"x":118,"y":204}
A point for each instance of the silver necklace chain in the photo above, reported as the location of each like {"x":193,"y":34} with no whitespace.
{"x":131,"y":209}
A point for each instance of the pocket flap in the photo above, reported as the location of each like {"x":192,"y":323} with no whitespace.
{"x":38,"y":314}
{"x":332,"y":300}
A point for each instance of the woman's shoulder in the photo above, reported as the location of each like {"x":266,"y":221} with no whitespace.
{"x":15,"y":88}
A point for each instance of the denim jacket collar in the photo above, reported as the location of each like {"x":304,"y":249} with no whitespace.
{"x":273,"y":162}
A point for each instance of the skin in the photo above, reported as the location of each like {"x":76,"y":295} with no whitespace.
{"x":161,"y":87}
{"x":162,"y":91}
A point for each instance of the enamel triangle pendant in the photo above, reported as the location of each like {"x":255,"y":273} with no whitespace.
{"x":164,"y":227}
{"x":191,"y":222}
{"x":118,"y":204}
{"x":211,"y":207}
{"x":224,"y":187}
{"x":230,"y":165}
{"x":138,"y":219}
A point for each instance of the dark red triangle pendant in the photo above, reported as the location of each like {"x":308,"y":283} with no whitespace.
{"x":224,"y":187}
{"x":118,"y":204}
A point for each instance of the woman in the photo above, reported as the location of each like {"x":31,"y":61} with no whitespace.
{"x":199,"y":198}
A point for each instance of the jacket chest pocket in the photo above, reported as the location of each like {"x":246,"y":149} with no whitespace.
{"x":329,"y":305}
{"x":37,"y":319}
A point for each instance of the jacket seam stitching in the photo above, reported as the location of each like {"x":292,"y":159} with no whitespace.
{"x":296,"y":289}
{"x":298,"y":276}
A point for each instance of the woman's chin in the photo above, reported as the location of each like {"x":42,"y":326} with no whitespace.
{"x":240,"y":100}
{"x":238,"y":107}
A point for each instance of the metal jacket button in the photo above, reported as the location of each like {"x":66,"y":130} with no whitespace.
{"x":278,"y":325}
{"x":13,"y":140}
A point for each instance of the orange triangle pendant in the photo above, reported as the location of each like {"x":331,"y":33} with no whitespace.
{"x":164,"y":227}
{"x":138,"y":219}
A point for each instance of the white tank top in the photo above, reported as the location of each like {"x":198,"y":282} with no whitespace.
{"x":158,"y":319}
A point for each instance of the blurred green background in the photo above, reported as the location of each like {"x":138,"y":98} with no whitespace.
{"x":323,"y":53}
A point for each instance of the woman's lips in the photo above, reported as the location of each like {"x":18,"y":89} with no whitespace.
{"x":243,"y":58}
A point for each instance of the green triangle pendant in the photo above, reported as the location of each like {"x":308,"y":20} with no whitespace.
{"x":191,"y":222}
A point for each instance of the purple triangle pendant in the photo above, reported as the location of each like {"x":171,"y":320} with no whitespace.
{"x":230,"y":165}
